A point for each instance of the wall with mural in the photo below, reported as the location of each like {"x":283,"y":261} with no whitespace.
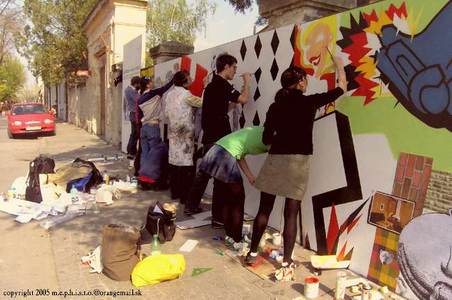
{"x":376,"y":147}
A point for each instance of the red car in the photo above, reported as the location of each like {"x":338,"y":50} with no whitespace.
{"x":26,"y":118}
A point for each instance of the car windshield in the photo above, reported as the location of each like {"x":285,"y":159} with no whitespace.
{"x":29,"y":109}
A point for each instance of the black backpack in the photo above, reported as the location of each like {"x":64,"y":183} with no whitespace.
{"x":163,"y":224}
{"x":40,"y":165}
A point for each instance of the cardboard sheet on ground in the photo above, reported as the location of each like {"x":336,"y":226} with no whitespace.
{"x":198,"y":220}
{"x":265,"y":266}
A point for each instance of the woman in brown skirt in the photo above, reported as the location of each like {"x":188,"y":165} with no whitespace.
{"x":288,"y":129}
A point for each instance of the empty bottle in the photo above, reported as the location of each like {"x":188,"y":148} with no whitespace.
{"x":155,"y":246}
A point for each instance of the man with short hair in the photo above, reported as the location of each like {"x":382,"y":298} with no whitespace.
{"x":218,"y":96}
{"x":130,"y":98}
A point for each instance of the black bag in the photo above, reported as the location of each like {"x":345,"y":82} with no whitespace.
{"x":40,"y":165}
{"x":95,"y":179}
{"x":163,"y":224}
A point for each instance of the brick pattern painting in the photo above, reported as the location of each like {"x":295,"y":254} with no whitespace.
{"x":412,"y":178}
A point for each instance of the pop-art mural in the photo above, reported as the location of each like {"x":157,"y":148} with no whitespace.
{"x":374,"y":149}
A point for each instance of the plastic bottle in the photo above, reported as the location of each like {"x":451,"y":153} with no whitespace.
{"x":74,"y":196}
{"x":155,"y":246}
{"x":95,"y":207}
{"x":134,"y":181}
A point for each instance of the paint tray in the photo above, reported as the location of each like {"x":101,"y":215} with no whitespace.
{"x":328,"y":262}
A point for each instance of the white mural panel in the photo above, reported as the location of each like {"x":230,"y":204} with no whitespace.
{"x":133,"y":63}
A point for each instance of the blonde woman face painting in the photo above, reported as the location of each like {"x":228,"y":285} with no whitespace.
{"x":317,"y":43}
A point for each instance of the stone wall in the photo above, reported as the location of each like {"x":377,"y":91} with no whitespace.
{"x":282,"y":13}
{"x":439,"y":193}
{"x":78,"y":106}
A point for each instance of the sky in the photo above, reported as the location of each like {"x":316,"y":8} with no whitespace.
{"x":223,"y":27}
{"x":226,"y":25}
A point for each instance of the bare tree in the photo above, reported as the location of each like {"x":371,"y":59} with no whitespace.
{"x":10,"y":25}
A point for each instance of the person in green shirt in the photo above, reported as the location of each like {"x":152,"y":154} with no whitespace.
{"x":223,"y":162}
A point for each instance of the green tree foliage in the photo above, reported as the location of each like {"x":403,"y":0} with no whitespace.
{"x":240,"y":5}
{"x":12,"y":78}
{"x":176,"y":20}
{"x":54,"y":43}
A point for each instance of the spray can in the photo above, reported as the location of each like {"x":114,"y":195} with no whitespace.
{"x":341,"y":285}
{"x":106,"y":178}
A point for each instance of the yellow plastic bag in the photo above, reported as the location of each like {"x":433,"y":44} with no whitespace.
{"x":158,"y":268}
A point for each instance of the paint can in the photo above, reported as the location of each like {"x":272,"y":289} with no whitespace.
{"x":277,"y":239}
{"x":311,"y":287}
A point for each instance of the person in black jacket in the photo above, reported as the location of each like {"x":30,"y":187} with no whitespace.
{"x":217,"y":98}
{"x":288,"y":129}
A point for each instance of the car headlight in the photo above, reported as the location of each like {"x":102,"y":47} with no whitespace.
{"x":48,"y":121}
{"x":17,"y":123}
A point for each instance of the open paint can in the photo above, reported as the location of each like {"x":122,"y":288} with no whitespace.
{"x":311,"y":287}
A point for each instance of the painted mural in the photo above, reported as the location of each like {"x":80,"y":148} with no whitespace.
{"x":375,"y":148}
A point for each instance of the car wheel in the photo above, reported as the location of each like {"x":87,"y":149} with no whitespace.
{"x":10,"y":135}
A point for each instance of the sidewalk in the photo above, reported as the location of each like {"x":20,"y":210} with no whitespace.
{"x":31,"y":257}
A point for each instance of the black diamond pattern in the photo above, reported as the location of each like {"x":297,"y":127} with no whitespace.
{"x":257,"y":94}
{"x":275,"y":42}
{"x":274,"y":69}
{"x":257,"y":75}
{"x":242,"y":120}
{"x":256,"y":120}
{"x":243,"y":50}
{"x":258,"y":46}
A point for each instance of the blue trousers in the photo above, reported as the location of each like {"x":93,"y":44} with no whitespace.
{"x":154,"y":153}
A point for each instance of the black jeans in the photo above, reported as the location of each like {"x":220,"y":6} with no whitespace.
{"x":198,"y":188}
{"x":181,"y":178}
{"x":134,"y":137}
{"x":229,"y":203}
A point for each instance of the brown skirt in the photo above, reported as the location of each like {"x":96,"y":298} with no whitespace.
{"x":284,"y":175}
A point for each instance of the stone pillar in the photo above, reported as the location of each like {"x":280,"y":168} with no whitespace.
{"x":366,"y":2}
{"x":281,"y":13}
{"x":169,"y":50}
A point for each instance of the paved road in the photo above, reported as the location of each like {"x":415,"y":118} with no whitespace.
{"x":26,"y":254}
{"x":32,"y":258}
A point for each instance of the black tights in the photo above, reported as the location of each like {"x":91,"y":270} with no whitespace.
{"x":230,"y":200}
{"x":291,"y":209}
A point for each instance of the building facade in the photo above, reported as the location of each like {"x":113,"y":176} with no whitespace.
{"x":95,"y":102}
